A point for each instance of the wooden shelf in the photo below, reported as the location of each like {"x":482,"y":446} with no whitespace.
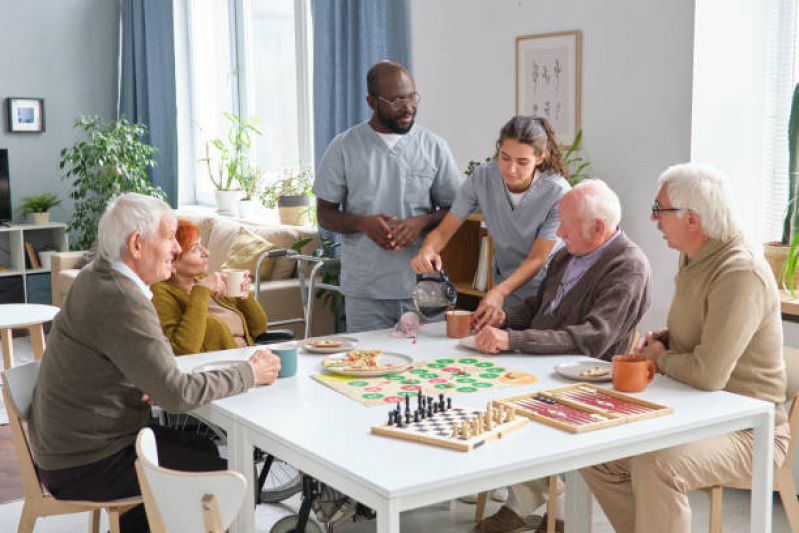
{"x":461,"y":257}
{"x":466,"y":288}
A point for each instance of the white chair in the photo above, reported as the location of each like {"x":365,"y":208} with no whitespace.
{"x":18,"y":393}
{"x":178,"y":501}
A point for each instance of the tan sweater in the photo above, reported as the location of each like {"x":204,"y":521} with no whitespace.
{"x":105,"y":350}
{"x":725,"y":328}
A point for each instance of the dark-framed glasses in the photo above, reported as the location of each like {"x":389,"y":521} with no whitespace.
{"x":656,"y":209}
{"x":399,"y":103}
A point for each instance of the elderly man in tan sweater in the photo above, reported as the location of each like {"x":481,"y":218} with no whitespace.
{"x":724,"y":333}
{"x":107,"y":356}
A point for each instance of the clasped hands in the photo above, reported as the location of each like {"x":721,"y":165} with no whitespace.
{"x":653,"y":344}
{"x":390,"y":234}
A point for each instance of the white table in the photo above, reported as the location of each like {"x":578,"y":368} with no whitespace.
{"x":30,"y":316}
{"x":327,"y":435}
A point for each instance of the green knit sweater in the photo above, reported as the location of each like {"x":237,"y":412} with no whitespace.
{"x":189,"y":326}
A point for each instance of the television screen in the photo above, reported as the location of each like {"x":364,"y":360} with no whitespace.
{"x":5,"y":187}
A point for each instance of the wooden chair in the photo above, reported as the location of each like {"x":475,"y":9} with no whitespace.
{"x":783,"y":477}
{"x":18,"y":393}
{"x":178,"y":501}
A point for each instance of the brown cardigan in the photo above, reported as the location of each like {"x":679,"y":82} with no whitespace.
{"x":600,"y":313}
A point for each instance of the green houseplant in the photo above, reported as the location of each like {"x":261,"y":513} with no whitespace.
{"x":110,"y":160}
{"x":39,"y":207}
{"x":291,"y":194}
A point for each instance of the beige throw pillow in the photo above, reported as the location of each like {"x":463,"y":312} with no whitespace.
{"x":245,"y":250}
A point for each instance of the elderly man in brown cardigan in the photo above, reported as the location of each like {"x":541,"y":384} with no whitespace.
{"x":597,"y":288}
{"x":107,"y":355}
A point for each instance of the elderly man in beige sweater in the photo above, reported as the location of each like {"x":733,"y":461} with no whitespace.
{"x":724,"y":333}
{"x":107,"y":356}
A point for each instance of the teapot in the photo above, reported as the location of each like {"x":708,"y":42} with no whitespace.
{"x":433,"y":294}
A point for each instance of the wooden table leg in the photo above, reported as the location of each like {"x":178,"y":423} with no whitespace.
{"x":37,"y":340}
{"x":8,"y":349}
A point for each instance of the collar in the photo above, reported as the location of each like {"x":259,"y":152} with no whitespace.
{"x":126,"y":271}
{"x":590,"y":257}
{"x":709,"y":249}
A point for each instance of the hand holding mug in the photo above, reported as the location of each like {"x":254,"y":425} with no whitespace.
{"x":265,"y":366}
{"x":215,"y":281}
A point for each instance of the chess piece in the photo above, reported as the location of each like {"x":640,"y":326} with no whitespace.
{"x":416,"y":416}
{"x":465,"y":430}
{"x":454,"y":431}
{"x":391,"y":418}
{"x":449,"y":403}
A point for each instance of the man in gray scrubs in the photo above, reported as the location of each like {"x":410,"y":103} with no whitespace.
{"x":383,"y":184}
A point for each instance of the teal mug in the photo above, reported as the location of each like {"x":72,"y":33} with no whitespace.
{"x":287,"y":351}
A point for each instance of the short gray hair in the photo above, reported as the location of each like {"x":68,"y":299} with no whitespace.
{"x":598,"y":202}
{"x":124,"y":216}
{"x":704,"y":190}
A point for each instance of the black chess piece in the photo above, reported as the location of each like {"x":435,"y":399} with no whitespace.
{"x":416,"y":416}
{"x":408,"y":402}
{"x":449,"y":403}
{"x":399,"y":422}
{"x":391,"y":418}
{"x":429,"y":410}
{"x":407,"y":417}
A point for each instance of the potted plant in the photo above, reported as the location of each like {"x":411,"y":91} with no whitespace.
{"x":250,"y":181}
{"x":291,"y":194}
{"x":38,"y":207}
{"x":783,"y":258}
{"x":110,"y":161}
{"x":230,"y":162}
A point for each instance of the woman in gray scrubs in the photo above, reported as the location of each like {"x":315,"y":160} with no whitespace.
{"x":518,"y":194}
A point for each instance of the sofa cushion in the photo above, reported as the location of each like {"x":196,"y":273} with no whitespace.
{"x":245,"y":250}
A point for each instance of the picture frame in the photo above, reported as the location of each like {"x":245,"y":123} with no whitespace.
{"x":549,"y":80}
{"x":25,"y":115}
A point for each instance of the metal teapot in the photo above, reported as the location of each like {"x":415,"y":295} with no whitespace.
{"x":433,"y":294}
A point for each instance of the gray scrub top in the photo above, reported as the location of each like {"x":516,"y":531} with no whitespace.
{"x":364,"y":176}
{"x":513,"y":230}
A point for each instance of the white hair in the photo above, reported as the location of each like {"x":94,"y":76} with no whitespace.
{"x":598,"y":202}
{"x":704,"y":190}
{"x":124,"y":216}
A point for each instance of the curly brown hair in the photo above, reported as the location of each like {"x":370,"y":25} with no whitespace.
{"x":538,"y":133}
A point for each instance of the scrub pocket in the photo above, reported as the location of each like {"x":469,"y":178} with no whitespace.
{"x":417,"y":187}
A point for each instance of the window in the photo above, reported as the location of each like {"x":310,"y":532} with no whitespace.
{"x":251,"y":58}
{"x":783,"y":75}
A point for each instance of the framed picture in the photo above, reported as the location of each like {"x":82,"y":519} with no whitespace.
{"x":548,"y":72}
{"x":25,"y":114}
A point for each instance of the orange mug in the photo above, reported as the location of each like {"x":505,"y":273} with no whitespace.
{"x":459,"y":323}
{"x":632,"y":373}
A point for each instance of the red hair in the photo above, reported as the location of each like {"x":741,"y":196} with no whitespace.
{"x":186,"y":234}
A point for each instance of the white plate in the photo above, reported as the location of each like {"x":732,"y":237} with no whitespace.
{"x":404,"y":362}
{"x":347,"y":344}
{"x":574,"y":370}
{"x":215,"y":365}
{"x":468,"y":343}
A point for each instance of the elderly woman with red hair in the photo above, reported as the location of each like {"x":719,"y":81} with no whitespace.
{"x":195,"y":313}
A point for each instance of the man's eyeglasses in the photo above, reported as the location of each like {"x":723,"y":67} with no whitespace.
{"x":656,"y":209}
{"x":399,"y":103}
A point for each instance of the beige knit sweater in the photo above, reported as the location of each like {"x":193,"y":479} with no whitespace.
{"x":105,"y":350}
{"x":725,"y":328}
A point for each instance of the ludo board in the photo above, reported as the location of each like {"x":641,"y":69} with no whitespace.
{"x":459,"y":375}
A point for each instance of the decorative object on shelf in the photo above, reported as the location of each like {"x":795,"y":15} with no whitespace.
{"x":32,"y":259}
{"x":548,"y":79}
{"x":291,"y":194}
{"x":45,"y":258}
{"x":228,"y":167}
{"x":38,"y":207}
{"x":250,"y":180}
{"x":113,"y":160}
{"x":25,"y":115}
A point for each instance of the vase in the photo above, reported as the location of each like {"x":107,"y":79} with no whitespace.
{"x":40,"y":219}
{"x":776,"y":253}
{"x":247,"y":209}
{"x":293,"y":210}
{"x":227,"y":202}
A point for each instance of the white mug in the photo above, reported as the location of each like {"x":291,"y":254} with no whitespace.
{"x":235,"y":277}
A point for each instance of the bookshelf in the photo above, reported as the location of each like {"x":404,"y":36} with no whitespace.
{"x":21,"y":282}
{"x":461,"y":258}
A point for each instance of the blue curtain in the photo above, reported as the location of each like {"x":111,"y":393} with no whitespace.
{"x":147,"y":83}
{"x":349,"y":37}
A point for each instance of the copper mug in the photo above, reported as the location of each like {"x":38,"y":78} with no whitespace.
{"x":632,"y":373}
{"x":459,"y":323}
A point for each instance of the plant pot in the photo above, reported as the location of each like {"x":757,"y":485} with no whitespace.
{"x":776,"y":253}
{"x":247,"y":208}
{"x":293,"y":210}
{"x":40,"y":219}
{"x":227,"y":202}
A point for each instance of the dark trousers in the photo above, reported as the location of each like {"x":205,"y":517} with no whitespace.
{"x":115,"y":477}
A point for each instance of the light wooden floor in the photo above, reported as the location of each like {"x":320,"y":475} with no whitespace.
{"x":10,"y":480}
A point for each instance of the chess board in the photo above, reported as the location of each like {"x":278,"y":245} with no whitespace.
{"x":438,"y":429}
{"x":583,"y":407}
{"x":460,"y":375}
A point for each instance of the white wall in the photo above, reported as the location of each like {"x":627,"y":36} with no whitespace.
{"x":66,"y":53}
{"x":637,"y":91}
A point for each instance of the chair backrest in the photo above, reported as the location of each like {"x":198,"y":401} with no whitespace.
{"x":18,"y":385}
{"x":173,"y":499}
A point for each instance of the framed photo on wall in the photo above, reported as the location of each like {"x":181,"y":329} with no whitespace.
{"x":548,"y":80}
{"x":25,"y":115}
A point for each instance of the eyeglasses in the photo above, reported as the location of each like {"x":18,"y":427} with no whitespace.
{"x":399,"y":103}
{"x":656,"y":209}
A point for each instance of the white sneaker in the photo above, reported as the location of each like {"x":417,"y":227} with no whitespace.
{"x":500,"y":495}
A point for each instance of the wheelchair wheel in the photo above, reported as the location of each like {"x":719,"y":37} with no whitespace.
{"x":283,"y":481}
{"x":288,"y":523}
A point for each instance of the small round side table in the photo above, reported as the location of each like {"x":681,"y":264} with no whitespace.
{"x":30,"y":316}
